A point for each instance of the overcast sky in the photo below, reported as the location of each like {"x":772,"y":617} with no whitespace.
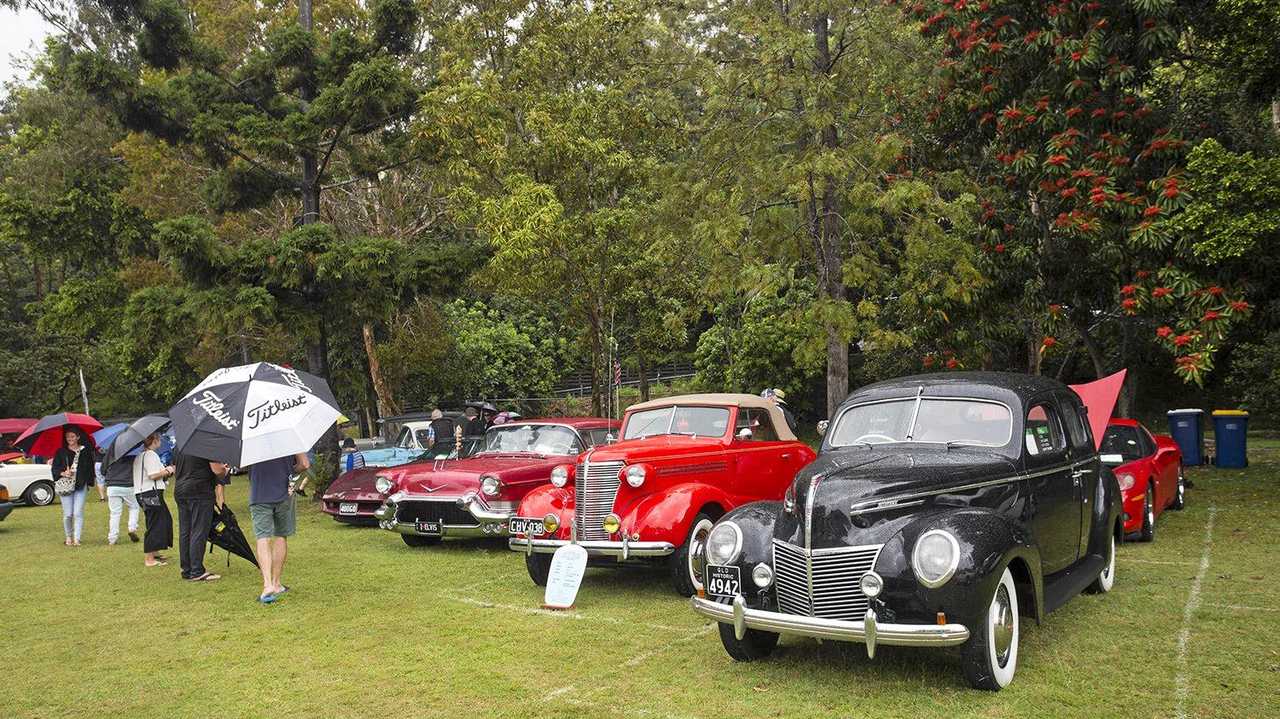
{"x":20,"y":33}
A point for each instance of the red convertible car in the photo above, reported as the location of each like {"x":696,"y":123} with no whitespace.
{"x":1149,"y":469}
{"x":682,"y":462}
{"x":474,"y":497}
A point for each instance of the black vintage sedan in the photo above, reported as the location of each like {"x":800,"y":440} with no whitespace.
{"x":941,"y":509}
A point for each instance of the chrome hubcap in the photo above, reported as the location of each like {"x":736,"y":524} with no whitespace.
{"x":40,"y":495}
{"x":697,"y":553}
{"x":1002,"y":625}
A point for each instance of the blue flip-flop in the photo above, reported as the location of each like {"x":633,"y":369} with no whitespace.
{"x":267,"y":598}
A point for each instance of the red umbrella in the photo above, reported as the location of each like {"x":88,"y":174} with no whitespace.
{"x":45,"y":437}
{"x":15,"y":425}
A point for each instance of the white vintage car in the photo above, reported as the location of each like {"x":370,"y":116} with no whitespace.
{"x":29,"y":483}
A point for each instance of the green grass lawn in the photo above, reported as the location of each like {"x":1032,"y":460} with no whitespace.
{"x":373,"y":628}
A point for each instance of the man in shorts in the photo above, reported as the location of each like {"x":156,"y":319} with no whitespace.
{"x":271,"y":505}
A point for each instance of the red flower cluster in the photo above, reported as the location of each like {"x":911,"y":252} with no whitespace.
{"x":1130,"y":306}
{"x":1211,"y":315}
{"x":1239,"y":306}
{"x":1161,"y":292}
{"x":1128,"y":290}
{"x":1214,"y":290}
{"x":1151,"y":211}
{"x":1164,"y":332}
{"x":952,"y":363}
{"x":1182,"y":340}
{"x":1056,"y":160}
{"x":1049,"y":342}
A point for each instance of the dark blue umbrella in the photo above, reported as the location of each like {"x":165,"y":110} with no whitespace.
{"x":103,"y":437}
{"x":128,"y":441}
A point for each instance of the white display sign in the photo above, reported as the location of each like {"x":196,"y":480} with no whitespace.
{"x":568,"y":565}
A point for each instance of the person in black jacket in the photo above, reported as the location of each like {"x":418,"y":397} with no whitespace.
{"x":198,"y":490}
{"x":118,"y":478}
{"x":74,"y":460}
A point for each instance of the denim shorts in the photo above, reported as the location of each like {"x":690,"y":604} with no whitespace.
{"x":276,"y":519}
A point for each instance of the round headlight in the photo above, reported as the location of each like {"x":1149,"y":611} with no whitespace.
{"x":724,"y":544}
{"x":762,"y":575}
{"x":871,"y":584}
{"x":551,"y":523}
{"x":382,"y":484}
{"x":490,"y":485}
{"x":935,"y":558}
{"x":635,"y":475}
{"x":560,"y":476}
{"x":1126,"y":481}
{"x":611,"y":523}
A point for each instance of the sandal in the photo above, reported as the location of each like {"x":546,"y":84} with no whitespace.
{"x":207,"y":577}
{"x":266,"y":598}
{"x":157,"y":563}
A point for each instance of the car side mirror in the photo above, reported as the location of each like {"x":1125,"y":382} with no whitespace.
{"x":744,"y":434}
{"x":822,"y":427}
{"x":610,"y":439}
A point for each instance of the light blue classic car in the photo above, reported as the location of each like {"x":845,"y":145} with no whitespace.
{"x":412,"y":442}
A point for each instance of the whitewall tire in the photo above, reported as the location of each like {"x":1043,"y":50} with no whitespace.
{"x":990,"y":657}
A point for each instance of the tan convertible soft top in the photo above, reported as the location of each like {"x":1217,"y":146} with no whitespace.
{"x":725,"y":399}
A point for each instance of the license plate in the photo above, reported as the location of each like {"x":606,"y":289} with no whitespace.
{"x":429,"y":527}
{"x":348,"y":508}
{"x":525,"y":525}
{"x":723,"y":581}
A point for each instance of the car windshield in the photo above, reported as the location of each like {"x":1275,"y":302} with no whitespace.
{"x":926,"y":419}
{"x":535,"y":438}
{"x":1122,"y":441}
{"x":692,"y":421}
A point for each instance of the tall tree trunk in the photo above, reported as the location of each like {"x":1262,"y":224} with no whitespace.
{"x":1091,"y":347}
{"x":386,"y":403}
{"x":37,"y":272}
{"x":1035,"y":357}
{"x":644,"y":377}
{"x":824,"y":226}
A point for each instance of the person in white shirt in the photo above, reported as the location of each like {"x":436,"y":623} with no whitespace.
{"x":149,"y":480}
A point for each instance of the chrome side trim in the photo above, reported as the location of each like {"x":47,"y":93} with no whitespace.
{"x":903,"y":635}
{"x":890,"y":502}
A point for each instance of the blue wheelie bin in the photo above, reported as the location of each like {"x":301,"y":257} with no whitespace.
{"x":1186,"y":426}
{"x":1229,"y":427}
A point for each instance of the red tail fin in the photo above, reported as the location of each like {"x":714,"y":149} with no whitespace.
{"x":1099,"y":398}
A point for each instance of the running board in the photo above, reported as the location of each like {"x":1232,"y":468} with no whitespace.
{"x":1061,"y":587}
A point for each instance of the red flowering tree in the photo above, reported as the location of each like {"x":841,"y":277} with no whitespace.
{"x":1046,"y":101}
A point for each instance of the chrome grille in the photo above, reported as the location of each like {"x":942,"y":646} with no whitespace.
{"x":822,"y":583}
{"x":595,"y":488}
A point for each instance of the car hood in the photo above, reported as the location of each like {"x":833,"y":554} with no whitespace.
{"x":843,"y":478}
{"x":655,"y":448}
{"x":463,"y":475}
{"x":355,"y":485}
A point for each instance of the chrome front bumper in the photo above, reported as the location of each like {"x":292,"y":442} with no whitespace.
{"x":868,"y":631}
{"x":622,"y":551}
{"x":489,"y":523}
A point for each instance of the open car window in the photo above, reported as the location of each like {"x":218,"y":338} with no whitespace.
{"x":532,"y":438}
{"x":759,"y":422}
{"x":937,"y":420}
{"x":692,"y":421}
{"x":1043,"y":433}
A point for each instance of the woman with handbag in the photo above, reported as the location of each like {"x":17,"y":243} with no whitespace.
{"x":149,"y":476}
{"x":72,"y":476}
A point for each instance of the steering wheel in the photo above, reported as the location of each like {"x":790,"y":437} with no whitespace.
{"x":874,"y":435}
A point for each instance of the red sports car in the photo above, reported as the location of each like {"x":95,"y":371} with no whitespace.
{"x":476,"y":496}
{"x":1149,"y":469}
{"x":682,"y":463}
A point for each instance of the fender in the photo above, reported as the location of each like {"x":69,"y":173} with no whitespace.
{"x":1108,"y":508}
{"x":988,"y":543}
{"x":667,"y":516}
{"x":756,"y":520}
{"x":549,"y":499}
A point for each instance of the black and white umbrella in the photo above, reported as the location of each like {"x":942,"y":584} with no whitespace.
{"x":252,"y":413}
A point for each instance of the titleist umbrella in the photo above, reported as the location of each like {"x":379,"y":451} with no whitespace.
{"x":131,"y":438}
{"x":251,"y":413}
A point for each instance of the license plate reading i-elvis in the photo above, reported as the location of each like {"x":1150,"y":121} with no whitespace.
{"x":723,"y":581}
{"x":429,"y":527}
{"x":525,"y":525}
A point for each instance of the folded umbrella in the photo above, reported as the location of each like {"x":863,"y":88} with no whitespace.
{"x":128,"y":441}
{"x":251,"y":413}
{"x":44,"y":438}
{"x":226,"y":533}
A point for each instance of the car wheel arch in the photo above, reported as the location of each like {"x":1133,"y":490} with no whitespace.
{"x":1029,"y":587}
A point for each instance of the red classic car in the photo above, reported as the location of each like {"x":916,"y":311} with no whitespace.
{"x":681,"y":463}
{"x":1149,"y":469}
{"x":474,"y":497}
